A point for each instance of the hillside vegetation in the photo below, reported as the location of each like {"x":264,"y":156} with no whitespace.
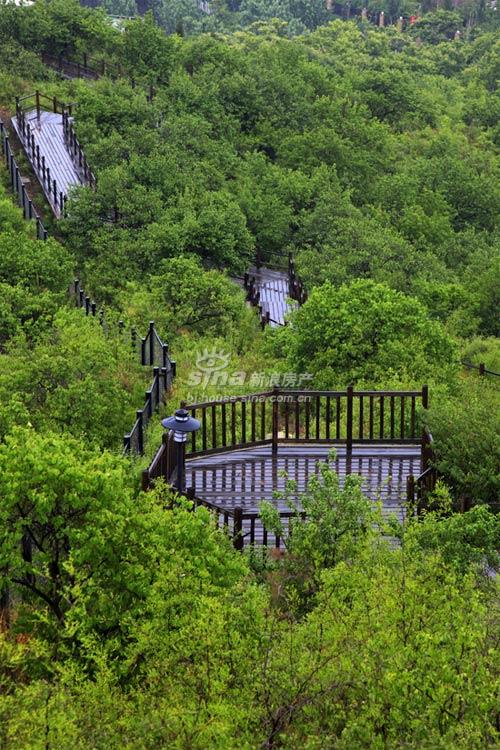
{"x":372,"y":157}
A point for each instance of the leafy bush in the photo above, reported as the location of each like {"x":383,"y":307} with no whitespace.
{"x":366,"y":331}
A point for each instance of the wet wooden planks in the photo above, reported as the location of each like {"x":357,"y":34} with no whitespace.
{"x":274,"y":291}
{"x":48,"y":135}
{"x":243,"y":478}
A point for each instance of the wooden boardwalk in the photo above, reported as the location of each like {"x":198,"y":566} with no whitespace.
{"x":243,"y":478}
{"x":274,"y":289}
{"x":47,"y":137}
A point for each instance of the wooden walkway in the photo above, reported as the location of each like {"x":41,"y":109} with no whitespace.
{"x":243,"y":478}
{"x":273,"y":288}
{"x":47,"y":137}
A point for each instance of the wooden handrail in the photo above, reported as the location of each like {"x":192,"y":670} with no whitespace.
{"x":17,"y":184}
{"x":280,"y":416}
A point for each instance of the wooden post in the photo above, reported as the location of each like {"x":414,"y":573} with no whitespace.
{"x":145,"y":484}
{"x":139,"y":417}
{"x":37,"y":100}
{"x":482,"y":368}
{"x":151,"y":342}
{"x":165,"y":464}
{"x":410,"y":490}
{"x":350,"y":391}
{"x":164,"y":355}
{"x":425,"y":396}
{"x":4,"y":607}
{"x":427,"y":450}
{"x":156,"y":381}
{"x":275,"y":420}
{"x":238,"y":540}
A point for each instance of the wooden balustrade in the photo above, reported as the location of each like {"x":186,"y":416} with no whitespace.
{"x":76,"y":151}
{"x":306,"y":416}
{"x":418,"y":488}
{"x":17,"y":184}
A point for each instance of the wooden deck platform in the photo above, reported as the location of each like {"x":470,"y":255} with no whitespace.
{"x":48,"y":138}
{"x":243,"y":478}
{"x":274,"y":289}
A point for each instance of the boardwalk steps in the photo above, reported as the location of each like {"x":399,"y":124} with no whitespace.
{"x":51,"y":146}
{"x":275,"y":292}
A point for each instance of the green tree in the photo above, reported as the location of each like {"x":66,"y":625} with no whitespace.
{"x":465,"y":430}
{"x":182,"y":296}
{"x":366,"y":331}
{"x":73,"y":379}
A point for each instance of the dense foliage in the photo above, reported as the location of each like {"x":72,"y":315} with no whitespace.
{"x":371,"y":156}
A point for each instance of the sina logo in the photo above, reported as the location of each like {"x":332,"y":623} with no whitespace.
{"x":210,"y":368}
{"x":212,"y":361}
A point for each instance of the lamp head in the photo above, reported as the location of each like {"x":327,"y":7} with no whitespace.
{"x":181,"y":422}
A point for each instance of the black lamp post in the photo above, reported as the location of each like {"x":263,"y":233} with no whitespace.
{"x":182,"y":424}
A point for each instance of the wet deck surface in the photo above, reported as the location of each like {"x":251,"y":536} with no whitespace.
{"x":49,"y":137}
{"x":274,"y":292}
{"x":246,"y":477}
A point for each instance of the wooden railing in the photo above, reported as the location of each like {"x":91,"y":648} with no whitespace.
{"x":133,"y":441}
{"x":56,"y":197}
{"x":17,"y":183}
{"x":294,"y":416}
{"x":283,"y":416}
{"x":76,"y":151}
{"x":152,"y":352}
{"x":93,"y":69}
{"x":419,"y":488}
{"x":39,"y":102}
{"x":480,"y":368}
{"x":297,"y":290}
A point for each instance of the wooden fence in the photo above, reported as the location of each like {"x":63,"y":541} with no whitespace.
{"x":39,"y":102}
{"x":76,"y":151}
{"x":297,"y":290}
{"x":481,"y":369}
{"x":92,"y":69}
{"x":283,"y":417}
{"x":307,"y":416}
{"x":151,"y":351}
{"x":418,"y":488}
{"x":17,"y":183}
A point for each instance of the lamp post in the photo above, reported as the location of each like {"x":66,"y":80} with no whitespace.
{"x":181,"y":424}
